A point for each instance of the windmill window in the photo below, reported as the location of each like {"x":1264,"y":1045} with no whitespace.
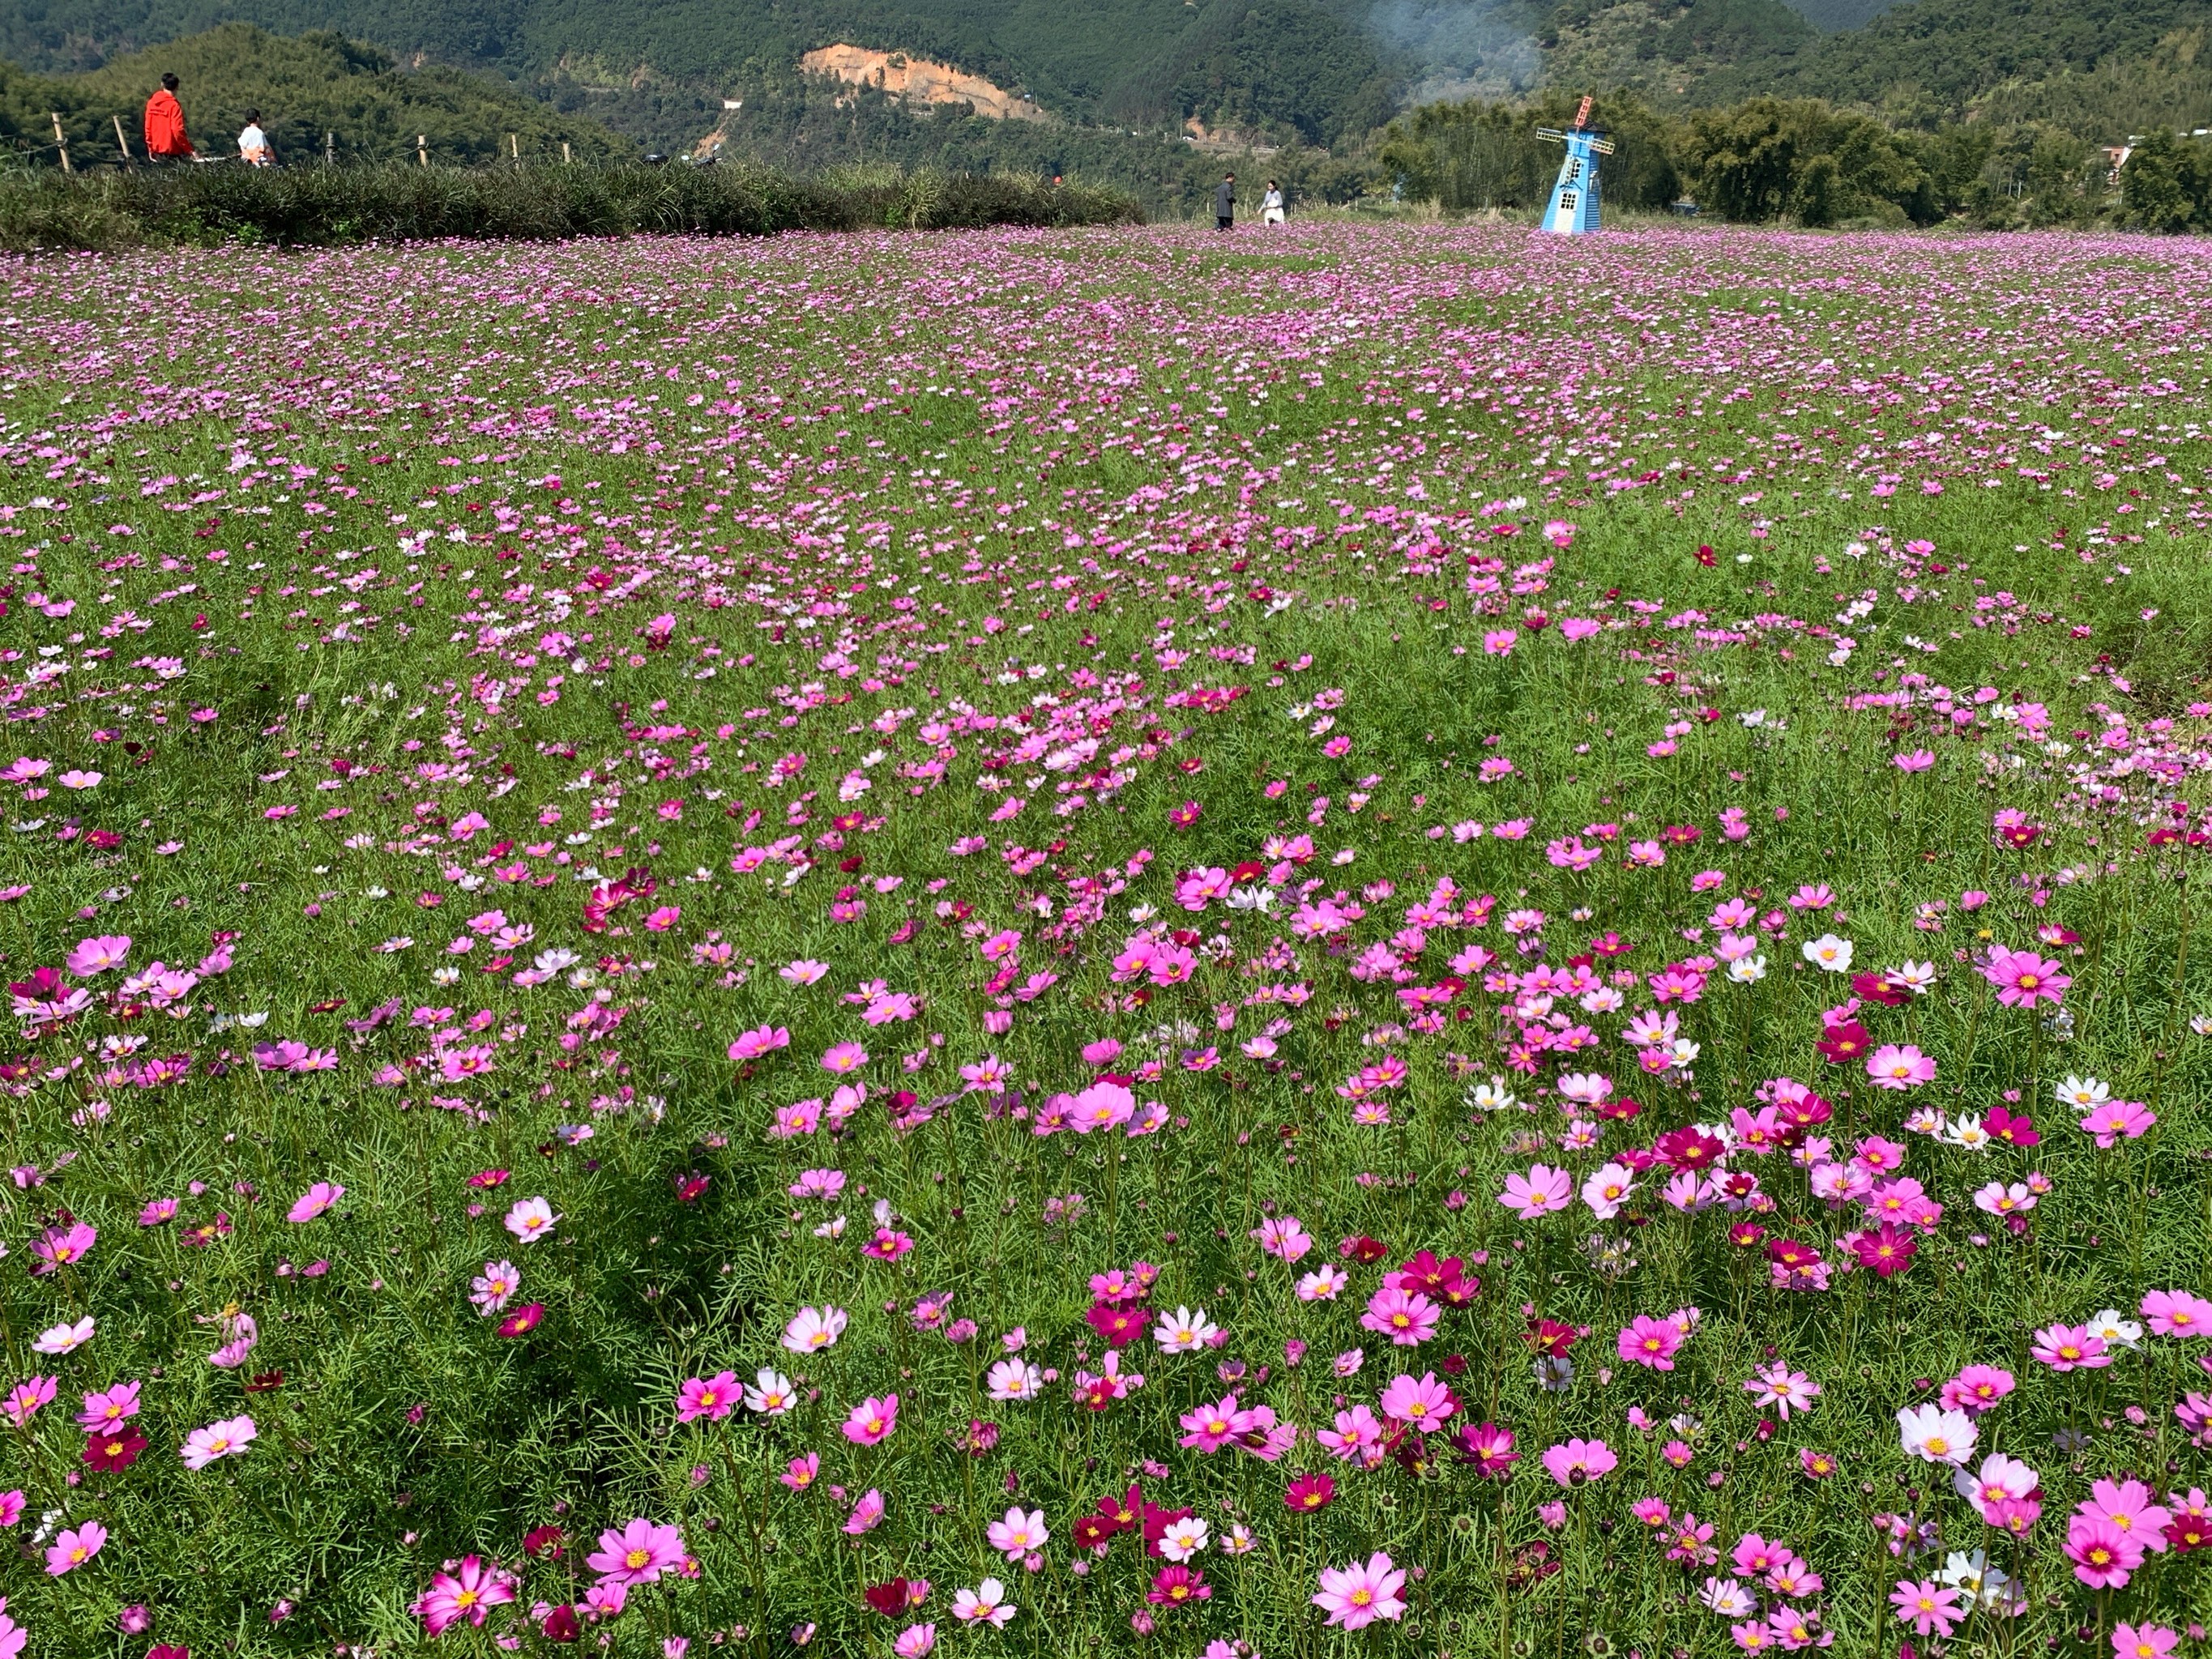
{"x":1568,"y":200}
{"x":1574,"y":169}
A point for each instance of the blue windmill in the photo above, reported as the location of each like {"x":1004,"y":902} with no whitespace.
{"x":1573,"y":211}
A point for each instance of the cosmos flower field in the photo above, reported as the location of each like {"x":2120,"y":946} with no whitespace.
{"x":1382,"y":940}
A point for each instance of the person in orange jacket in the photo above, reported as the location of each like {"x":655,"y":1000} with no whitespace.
{"x":165,"y":124}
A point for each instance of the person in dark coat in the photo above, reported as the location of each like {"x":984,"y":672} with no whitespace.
{"x":1224,"y":202}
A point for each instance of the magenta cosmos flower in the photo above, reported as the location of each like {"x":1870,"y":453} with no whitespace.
{"x":2023,"y":979}
{"x":638,"y":1554}
{"x":469,"y":1592}
{"x":871,"y":1421}
{"x":1652,"y":1342}
{"x":714,"y":1397}
{"x":1357,"y":1595}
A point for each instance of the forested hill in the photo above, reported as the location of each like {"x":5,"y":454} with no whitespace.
{"x":1312,"y":72}
{"x":1296,"y":65}
{"x":305,"y":87}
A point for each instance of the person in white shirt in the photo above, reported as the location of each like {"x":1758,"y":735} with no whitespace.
{"x":253,"y":144}
{"x":1271,"y":205}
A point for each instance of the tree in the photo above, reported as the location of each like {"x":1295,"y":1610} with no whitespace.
{"x":2154,"y":186}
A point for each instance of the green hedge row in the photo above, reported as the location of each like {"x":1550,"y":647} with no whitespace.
{"x":319,"y":207}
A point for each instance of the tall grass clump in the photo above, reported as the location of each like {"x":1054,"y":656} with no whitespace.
{"x":325,"y":207}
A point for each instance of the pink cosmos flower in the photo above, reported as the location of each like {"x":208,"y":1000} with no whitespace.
{"x":1356,"y":1596}
{"x":23,"y":1400}
{"x":71,"y":1549}
{"x":98,"y":955}
{"x":58,"y":1246}
{"x":843,"y":1058}
{"x":1539,"y":1193}
{"x":865,"y":1513}
{"x":2177,"y":1313}
{"x":470,"y":1593}
{"x":2117,"y":1119}
{"x":638,"y":1554}
{"x":871,"y":1421}
{"x":1930,"y":1608}
{"x":1777,"y":1387}
{"x":2143,"y":1641}
{"x":1020,"y":1534}
{"x":2023,"y":978}
{"x":1406,"y":1317}
{"x":759,"y":1042}
{"x":1899,"y":1065}
{"x":714,"y":1397}
{"x":1421,"y":1406}
{"x":1573,"y":1462}
{"x":106,"y":1411}
{"x":2070,"y":1347}
{"x":1651,"y":1342}
{"x":914,"y":1641}
{"x":2129,"y":1505}
{"x":227,"y":1438}
{"x":316,"y":1200}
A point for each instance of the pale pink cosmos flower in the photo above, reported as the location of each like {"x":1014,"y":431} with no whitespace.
{"x":495,"y":1287}
{"x":914,"y":1642}
{"x":813,"y":1329}
{"x":227,"y":1438}
{"x":1899,"y":1065}
{"x":1018,"y":1533}
{"x":531,"y":1220}
{"x":1354,"y":1597}
{"x":867,"y":1513}
{"x":1779,"y":1388}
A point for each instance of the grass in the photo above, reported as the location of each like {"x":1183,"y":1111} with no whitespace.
{"x":388,"y":588}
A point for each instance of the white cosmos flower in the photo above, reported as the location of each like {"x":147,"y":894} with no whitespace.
{"x":1829,"y":953}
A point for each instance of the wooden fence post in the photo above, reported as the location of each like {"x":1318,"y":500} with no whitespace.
{"x":422,"y":149}
{"x":330,"y":144}
{"x":564,"y":152}
{"x":61,"y":142}
{"x":122,"y":142}
{"x":513,"y":150}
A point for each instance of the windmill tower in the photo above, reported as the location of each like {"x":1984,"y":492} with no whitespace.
{"x":1573,"y":211}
